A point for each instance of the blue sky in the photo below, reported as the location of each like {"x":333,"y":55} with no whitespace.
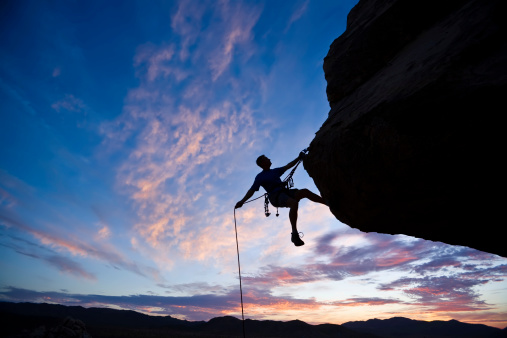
{"x":130,"y":129}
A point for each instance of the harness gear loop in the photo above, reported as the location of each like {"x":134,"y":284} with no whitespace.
{"x":266,"y":205}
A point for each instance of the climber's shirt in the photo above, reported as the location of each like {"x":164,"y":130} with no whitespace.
{"x":269,"y":180}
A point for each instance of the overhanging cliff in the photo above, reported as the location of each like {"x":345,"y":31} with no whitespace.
{"x":413,"y":142}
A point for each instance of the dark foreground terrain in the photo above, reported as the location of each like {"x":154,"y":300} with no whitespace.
{"x":50,"y":320}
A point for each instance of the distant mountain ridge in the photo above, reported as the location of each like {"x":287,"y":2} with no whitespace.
{"x":103,"y":322}
{"x":94,"y":316}
{"x":404,"y":327}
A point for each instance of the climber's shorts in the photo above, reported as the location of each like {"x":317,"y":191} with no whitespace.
{"x":280,"y":199}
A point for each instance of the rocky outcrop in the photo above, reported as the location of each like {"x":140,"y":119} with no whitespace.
{"x":413,"y":142}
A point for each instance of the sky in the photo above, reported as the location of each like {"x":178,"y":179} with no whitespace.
{"x":130,"y":129}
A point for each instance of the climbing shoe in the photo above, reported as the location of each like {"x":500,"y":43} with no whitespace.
{"x":296,"y":240}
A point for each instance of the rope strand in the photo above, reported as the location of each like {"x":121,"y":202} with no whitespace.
{"x":239,"y":273}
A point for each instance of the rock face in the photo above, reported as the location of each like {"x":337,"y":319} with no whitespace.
{"x":413,"y":142}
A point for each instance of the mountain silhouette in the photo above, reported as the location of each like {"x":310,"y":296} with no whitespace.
{"x":404,"y":327}
{"x":20,"y":319}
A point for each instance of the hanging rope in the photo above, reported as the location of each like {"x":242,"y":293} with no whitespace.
{"x":239,"y":273}
{"x":239,"y":265}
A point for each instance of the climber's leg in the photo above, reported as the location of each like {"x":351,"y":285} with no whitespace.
{"x":293,"y":204}
{"x":305,"y":193}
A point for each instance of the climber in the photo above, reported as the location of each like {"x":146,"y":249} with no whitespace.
{"x":278,"y":194}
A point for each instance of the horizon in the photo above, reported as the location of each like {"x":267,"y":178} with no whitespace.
{"x":132,"y":130}
{"x":239,"y":319}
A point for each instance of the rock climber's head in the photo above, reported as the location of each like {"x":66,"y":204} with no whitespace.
{"x":263,"y":162}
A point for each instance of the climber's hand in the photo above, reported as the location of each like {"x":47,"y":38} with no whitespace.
{"x":238,"y":205}
{"x":301,"y":156}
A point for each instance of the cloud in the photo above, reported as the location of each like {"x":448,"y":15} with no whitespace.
{"x":373,"y":301}
{"x":496,"y":273}
{"x":9,"y":186}
{"x":19,"y":249}
{"x":103,"y":233}
{"x":18,"y":96}
{"x":335,"y":262}
{"x":442,"y":293}
{"x":298,"y":13}
{"x":189,"y":307}
{"x":438,"y":264}
{"x":186,"y":22}
{"x":69,"y":103}
{"x":196,"y":307}
{"x":36,"y":251}
{"x":276,"y":275}
{"x":184,"y":129}
{"x":203,"y":301}
{"x":156,"y":62}
{"x":450,"y":274}
{"x":170,"y":151}
{"x":238,"y":23}
{"x":68,"y":266}
{"x":196,"y":288}
{"x":75,"y":247}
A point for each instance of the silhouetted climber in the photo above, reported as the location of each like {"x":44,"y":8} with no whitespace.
{"x":278,"y":194}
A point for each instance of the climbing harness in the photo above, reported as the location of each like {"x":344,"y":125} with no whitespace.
{"x":286,"y":183}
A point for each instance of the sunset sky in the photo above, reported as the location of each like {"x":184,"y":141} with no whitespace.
{"x":129,"y":130}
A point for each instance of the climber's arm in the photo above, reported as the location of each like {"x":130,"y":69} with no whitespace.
{"x":293,"y":162}
{"x":248,"y":194}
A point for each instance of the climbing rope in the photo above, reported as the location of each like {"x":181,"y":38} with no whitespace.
{"x":239,"y":273}
{"x":239,"y":265}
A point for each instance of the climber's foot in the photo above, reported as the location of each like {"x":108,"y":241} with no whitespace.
{"x":296,"y":240}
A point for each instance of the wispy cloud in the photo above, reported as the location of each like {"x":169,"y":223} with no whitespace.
{"x":182,"y":130}
{"x":198,"y":301}
{"x":187,"y":23}
{"x":196,"y":288}
{"x":259,"y":304}
{"x":453,"y":291}
{"x":337,"y":262}
{"x":298,"y":13}
{"x":103,"y":233}
{"x":69,"y":103}
{"x":62,"y":246}
{"x":442,"y":293}
{"x":189,"y":307}
{"x":68,"y":266}
{"x":36,"y":251}
{"x":373,"y":301}
{"x":18,"y":96}
{"x":238,"y":22}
